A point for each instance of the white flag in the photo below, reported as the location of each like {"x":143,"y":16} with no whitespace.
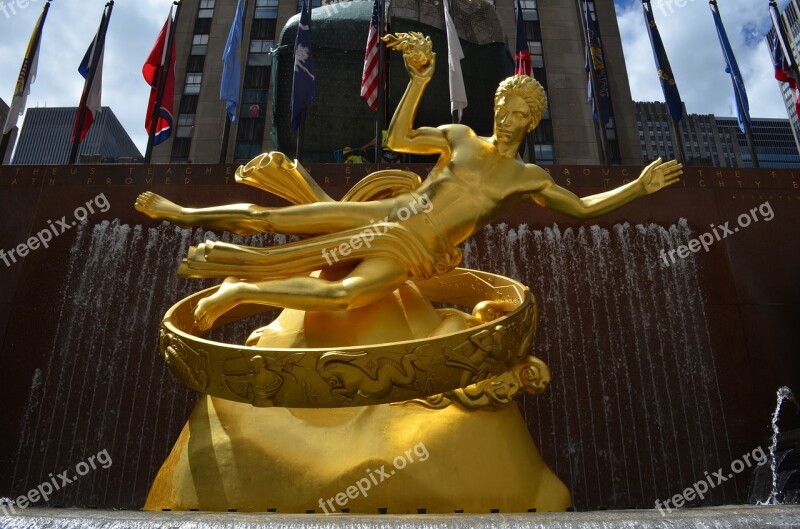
{"x":458,"y":94}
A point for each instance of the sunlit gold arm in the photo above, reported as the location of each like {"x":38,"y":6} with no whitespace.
{"x":420,"y":64}
{"x":555,"y":197}
{"x":655,"y":176}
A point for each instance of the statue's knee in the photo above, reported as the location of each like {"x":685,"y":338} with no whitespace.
{"x":341,"y":297}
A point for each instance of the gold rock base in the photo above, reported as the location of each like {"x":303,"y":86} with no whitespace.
{"x":401,"y":457}
{"x":235,"y":456}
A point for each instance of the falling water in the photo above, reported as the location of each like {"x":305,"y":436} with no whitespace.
{"x":776,"y":494}
{"x":105,"y":386}
{"x":634,"y":412}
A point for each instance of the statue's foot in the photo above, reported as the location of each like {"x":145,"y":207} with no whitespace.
{"x":217,"y":304}
{"x":157,"y":207}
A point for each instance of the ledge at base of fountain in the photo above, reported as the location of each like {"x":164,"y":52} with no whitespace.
{"x":235,"y":456}
{"x":730,"y":517}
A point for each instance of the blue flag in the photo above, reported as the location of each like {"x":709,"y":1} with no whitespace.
{"x":303,"y":89}
{"x":599,"y":94}
{"x":668,"y":85}
{"x":232,"y":68}
{"x":743,"y":110}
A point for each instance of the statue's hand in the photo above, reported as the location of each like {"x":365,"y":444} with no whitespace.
{"x":658,"y":175}
{"x":417,"y":53}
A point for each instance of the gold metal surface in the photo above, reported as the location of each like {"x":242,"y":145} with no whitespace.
{"x":438,"y":356}
{"x":474,"y":181}
{"x":234,"y":456}
{"x":359,"y":329}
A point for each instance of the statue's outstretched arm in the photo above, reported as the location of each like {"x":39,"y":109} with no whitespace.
{"x":655,"y":176}
{"x":420,"y":63}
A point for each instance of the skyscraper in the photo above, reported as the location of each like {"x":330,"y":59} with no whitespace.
{"x":555,"y":35}
{"x":46,"y":138}
{"x":715,"y":141}
{"x":791,"y":21}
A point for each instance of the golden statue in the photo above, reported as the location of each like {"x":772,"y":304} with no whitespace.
{"x":358,"y":327}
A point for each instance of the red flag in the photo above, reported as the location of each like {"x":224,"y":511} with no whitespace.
{"x":152,"y":70}
{"x":523,"y":56}
{"x":369,"y":78}
{"x":92,"y":91}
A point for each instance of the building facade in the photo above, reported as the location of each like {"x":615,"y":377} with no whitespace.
{"x":6,"y":157}
{"x":555,"y":36}
{"x":791,"y":21}
{"x":712,"y":141}
{"x":46,"y":139}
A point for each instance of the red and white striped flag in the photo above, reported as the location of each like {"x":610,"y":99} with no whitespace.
{"x":369,"y":78}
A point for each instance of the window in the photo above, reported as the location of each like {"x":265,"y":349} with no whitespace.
{"x":202,"y":26}
{"x":260,"y":53}
{"x":199,"y":44}
{"x":266,"y":9}
{"x":185,"y":125}
{"x":257,"y":77}
{"x":188,"y":104}
{"x":195,"y":63}
{"x":312,"y":3}
{"x":180,"y":149}
{"x":263,"y":29}
{"x":193,"y":82}
{"x":206,"y":9}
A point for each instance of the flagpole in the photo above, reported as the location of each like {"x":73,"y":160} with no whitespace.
{"x":98,"y":45}
{"x":681,"y":151}
{"x":593,"y":79}
{"x":744,"y":117}
{"x":380,"y":114}
{"x":748,"y":131}
{"x":6,"y":141}
{"x":226,"y":133}
{"x":784,"y":42}
{"x":162,"y":82}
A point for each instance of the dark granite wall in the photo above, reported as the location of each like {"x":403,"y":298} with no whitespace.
{"x":649,"y":392}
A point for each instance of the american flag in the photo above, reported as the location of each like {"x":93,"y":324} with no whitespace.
{"x":369,"y":78}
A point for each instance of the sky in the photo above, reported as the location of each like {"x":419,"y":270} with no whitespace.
{"x":686,"y":27}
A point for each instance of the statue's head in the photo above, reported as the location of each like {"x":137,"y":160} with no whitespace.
{"x":519,"y":98}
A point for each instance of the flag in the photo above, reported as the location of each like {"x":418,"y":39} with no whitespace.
{"x":784,"y":72}
{"x":522,"y":58}
{"x":369,"y":77}
{"x":232,"y":68}
{"x":743,"y":110}
{"x":599,"y":95}
{"x":27,"y":74}
{"x":668,"y":85}
{"x":152,"y":70}
{"x":90,"y":99}
{"x":458,"y":93}
{"x":303,"y":81}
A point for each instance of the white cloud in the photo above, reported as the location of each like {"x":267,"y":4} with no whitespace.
{"x":691,"y":41}
{"x":688,"y":34}
{"x":69,"y":30}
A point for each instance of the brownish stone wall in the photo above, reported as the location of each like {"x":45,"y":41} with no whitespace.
{"x":62,"y":405}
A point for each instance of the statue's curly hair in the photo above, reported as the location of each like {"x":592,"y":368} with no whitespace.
{"x":530,"y":90}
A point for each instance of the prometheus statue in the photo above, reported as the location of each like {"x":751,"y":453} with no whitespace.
{"x":474,"y":181}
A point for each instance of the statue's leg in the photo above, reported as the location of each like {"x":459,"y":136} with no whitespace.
{"x":371,"y":280}
{"x":248,"y":219}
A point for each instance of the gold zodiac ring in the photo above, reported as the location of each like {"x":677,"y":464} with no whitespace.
{"x":364,"y":375}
